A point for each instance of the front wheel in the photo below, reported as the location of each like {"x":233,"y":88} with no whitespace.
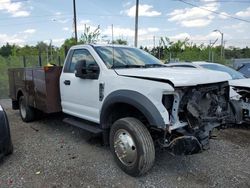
{"x":132,"y":146}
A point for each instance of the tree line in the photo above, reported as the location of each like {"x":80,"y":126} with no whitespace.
{"x":167,"y":50}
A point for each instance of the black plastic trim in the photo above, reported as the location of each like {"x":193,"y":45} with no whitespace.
{"x":135,"y":99}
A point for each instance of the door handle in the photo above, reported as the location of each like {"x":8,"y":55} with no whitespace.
{"x":66,"y":82}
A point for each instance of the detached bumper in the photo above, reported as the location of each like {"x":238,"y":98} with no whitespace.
{"x":185,"y":145}
{"x":191,"y":142}
{"x":6,"y":146}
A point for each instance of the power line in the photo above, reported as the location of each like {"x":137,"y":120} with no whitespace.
{"x":224,"y":1}
{"x":215,"y":12}
{"x":220,"y":1}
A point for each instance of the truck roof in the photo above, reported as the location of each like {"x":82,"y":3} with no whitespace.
{"x":96,"y":45}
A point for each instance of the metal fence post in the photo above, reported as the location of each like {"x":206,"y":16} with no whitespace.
{"x":65,"y":51}
{"x":39,"y":59}
{"x":59,"y":60}
{"x":24,"y":61}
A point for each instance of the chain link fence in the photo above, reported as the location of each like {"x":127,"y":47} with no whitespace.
{"x":23,"y":61}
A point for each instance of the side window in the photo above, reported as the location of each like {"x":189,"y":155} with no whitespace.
{"x":79,"y":55}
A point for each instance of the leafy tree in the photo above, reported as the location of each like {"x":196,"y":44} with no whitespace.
{"x":146,"y":49}
{"x":120,"y":41}
{"x":69,"y":42}
{"x":6,"y":50}
{"x":26,"y":51}
{"x":42,"y":46}
{"x":89,"y":36}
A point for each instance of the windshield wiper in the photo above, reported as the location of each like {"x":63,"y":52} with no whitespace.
{"x":154,"y":65}
{"x":128,"y":66}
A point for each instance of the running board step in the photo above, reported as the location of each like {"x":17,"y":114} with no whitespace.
{"x":83,"y":125}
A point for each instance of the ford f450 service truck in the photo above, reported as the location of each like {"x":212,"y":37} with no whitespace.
{"x":129,"y":97}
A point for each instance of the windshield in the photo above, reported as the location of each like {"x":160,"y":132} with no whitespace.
{"x":233,"y":73}
{"x":124,"y":57}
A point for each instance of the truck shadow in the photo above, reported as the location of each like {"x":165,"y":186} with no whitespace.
{"x":55,"y":121}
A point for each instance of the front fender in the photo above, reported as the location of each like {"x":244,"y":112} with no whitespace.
{"x":135,"y":99}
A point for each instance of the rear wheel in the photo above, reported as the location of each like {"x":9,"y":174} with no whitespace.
{"x":132,"y":146}
{"x":27,"y":113}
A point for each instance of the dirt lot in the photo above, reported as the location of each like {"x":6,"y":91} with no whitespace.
{"x":49,"y":153}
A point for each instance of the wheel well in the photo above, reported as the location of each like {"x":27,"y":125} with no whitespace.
{"x":19,"y":94}
{"x":120,"y":110}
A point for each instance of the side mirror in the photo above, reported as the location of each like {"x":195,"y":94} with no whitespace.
{"x":87,"y":72}
{"x":80,"y":69}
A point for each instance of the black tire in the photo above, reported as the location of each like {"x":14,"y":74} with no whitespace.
{"x":6,"y":146}
{"x":27,"y":113}
{"x":10,"y":149}
{"x":143,"y":146}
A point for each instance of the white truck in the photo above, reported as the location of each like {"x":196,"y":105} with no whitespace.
{"x":129,"y":97}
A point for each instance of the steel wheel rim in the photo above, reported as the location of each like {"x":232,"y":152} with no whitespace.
{"x":125,"y":148}
{"x":22,"y":109}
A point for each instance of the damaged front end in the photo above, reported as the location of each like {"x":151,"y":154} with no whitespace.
{"x":240,"y":105}
{"x":196,"y":111}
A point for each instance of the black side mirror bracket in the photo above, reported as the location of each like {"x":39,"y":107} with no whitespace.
{"x":80,"y":69}
{"x":86,"y":72}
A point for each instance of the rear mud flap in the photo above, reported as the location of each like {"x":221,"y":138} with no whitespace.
{"x":184,"y":145}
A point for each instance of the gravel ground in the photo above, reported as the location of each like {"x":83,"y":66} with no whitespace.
{"x":49,"y":153}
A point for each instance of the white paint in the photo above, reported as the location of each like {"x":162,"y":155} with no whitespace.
{"x":240,"y":82}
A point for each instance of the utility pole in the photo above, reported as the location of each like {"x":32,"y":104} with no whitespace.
{"x":209,"y":52}
{"x":159,"y":50}
{"x":75,"y":24}
{"x":221,"y":49}
{"x":136,"y":22}
{"x":222,"y":44}
{"x":112,"y":29}
{"x":50,"y":44}
{"x":211,"y":44}
{"x":154,"y":41}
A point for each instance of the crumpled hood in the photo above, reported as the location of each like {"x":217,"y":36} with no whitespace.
{"x":240,"y":83}
{"x":239,"y":87}
{"x":178,"y":76}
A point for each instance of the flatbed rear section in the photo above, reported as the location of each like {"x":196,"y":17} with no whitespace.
{"x":39,"y":86}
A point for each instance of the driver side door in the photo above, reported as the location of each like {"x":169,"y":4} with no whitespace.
{"x":79,"y":96}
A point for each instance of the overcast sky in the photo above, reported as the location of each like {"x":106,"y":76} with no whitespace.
{"x":29,"y":21}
